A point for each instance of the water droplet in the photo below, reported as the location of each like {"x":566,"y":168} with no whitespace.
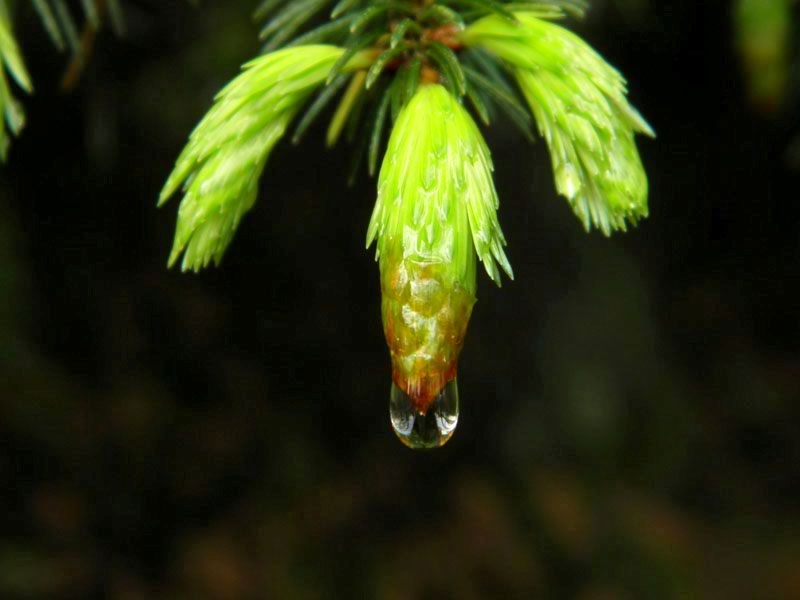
{"x":428,"y":430}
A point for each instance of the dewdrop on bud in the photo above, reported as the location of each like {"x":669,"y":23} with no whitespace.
{"x":434,"y":218}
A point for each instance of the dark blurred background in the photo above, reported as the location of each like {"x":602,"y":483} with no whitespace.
{"x":629,"y":423}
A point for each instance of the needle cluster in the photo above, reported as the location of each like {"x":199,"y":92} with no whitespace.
{"x":494,"y":57}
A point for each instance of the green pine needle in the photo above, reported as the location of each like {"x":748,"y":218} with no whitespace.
{"x":323,"y":99}
{"x":503,"y":97}
{"x":377,"y":131}
{"x":342,"y":114}
{"x":48,"y":19}
{"x":381,"y":63}
{"x":449,"y":66}
{"x":13,"y":115}
{"x":62,"y":28}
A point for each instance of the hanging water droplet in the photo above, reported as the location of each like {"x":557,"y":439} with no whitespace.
{"x":424,"y":430}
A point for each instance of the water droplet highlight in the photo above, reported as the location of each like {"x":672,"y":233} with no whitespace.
{"x":425,"y":430}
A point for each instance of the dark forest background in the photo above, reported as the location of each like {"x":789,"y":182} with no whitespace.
{"x":630,"y":406}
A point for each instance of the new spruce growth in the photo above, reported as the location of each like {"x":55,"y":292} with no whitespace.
{"x":409,"y":67}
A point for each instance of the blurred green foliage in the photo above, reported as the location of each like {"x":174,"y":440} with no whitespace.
{"x":764,"y":41}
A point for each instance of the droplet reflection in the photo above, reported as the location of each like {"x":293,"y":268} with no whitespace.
{"x":428,"y":430}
